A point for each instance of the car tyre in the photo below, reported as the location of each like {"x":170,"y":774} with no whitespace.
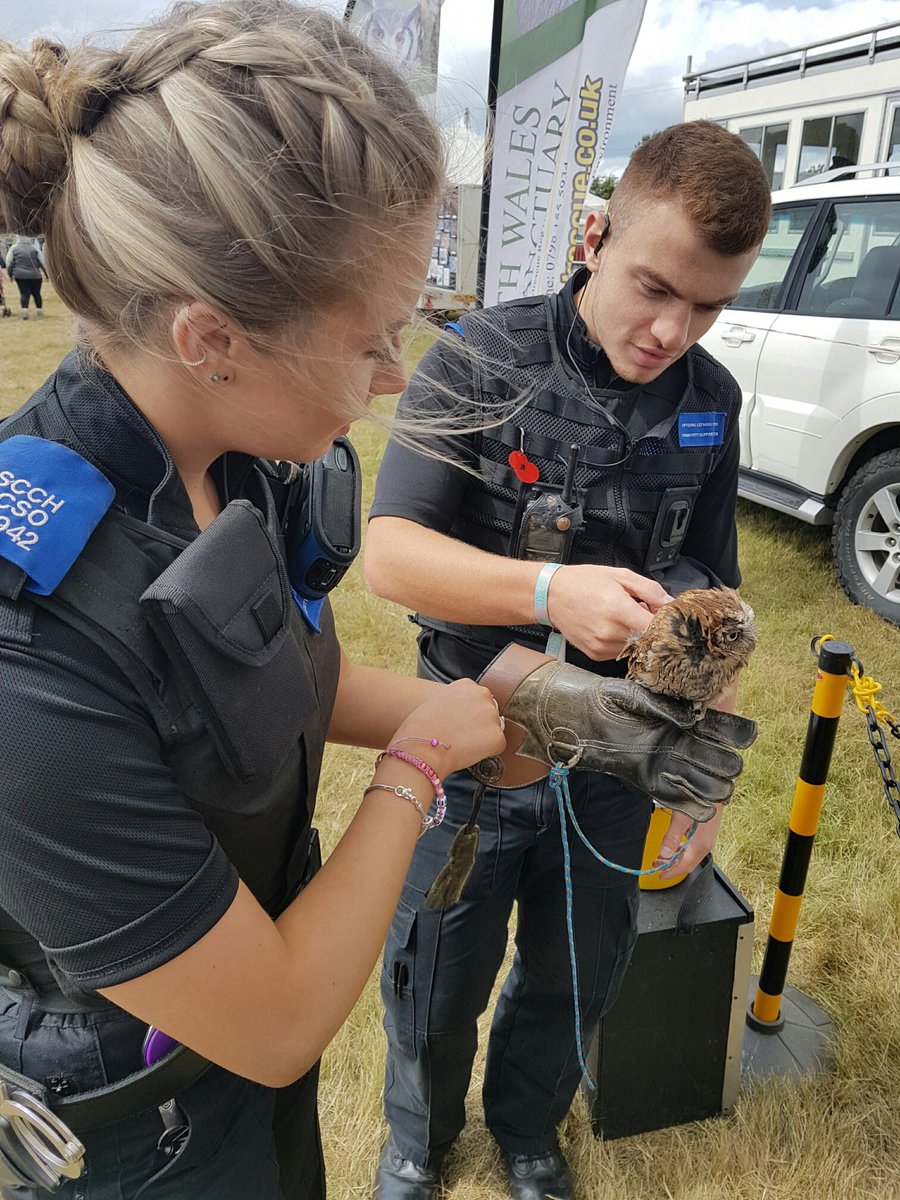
{"x":866,"y":536}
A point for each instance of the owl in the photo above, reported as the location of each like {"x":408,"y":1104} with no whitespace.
{"x":394,"y":32}
{"x":694,"y":646}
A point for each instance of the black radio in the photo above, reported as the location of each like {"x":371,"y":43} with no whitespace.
{"x":329,"y":534}
{"x":547,"y":519}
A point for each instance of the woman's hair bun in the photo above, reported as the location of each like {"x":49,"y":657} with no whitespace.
{"x":47,"y":96}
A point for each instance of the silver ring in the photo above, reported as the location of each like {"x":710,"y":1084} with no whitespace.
{"x":502,"y":724}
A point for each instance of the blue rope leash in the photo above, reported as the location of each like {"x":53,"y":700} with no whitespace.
{"x":559,"y":782}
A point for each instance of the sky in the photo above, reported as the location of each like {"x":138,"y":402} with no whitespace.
{"x":712,"y":32}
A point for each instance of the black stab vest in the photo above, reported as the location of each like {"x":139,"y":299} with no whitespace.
{"x":622,"y":482}
{"x":241,"y":709}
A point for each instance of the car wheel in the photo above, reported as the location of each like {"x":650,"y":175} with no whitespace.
{"x":866,"y":537}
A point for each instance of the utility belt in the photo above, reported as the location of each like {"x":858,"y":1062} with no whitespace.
{"x":40,"y":1144}
{"x":40,"y":1135}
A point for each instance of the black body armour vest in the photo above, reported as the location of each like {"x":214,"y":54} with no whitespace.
{"x":240,"y":689}
{"x":624,"y":484}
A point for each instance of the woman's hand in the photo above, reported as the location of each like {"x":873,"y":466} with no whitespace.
{"x":464,"y":717}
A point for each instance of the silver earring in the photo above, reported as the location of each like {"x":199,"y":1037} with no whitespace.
{"x":215,"y":377}
{"x":199,"y":363}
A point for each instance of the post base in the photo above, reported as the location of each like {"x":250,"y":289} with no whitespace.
{"x":802,"y":1041}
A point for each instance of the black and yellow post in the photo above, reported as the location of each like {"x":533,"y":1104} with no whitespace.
{"x":787,"y":1033}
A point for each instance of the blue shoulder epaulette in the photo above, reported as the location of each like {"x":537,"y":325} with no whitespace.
{"x":51,"y":501}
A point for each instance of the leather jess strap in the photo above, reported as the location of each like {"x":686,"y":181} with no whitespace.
{"x":502,"y":677}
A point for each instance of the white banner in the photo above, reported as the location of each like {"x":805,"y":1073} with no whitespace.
{"x":562,"y":63}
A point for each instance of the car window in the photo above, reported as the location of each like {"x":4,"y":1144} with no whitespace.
{"x":855,"y":265}
{"x":762,"y":287}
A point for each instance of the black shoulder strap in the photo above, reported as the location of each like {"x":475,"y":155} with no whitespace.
{"x":100,"y":597}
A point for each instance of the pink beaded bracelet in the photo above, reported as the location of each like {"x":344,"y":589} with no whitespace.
{"x":428,"y":772}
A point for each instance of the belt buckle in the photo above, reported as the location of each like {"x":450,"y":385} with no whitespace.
{"x":52,"y":1147}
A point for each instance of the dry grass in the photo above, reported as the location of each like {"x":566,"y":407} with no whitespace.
{"x":832,"y":1138}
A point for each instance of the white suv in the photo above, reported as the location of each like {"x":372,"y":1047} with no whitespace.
{"x":814,"y":342}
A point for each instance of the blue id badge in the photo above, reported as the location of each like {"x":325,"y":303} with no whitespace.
{"x":701,"y":429}
{"x":51,"y":501}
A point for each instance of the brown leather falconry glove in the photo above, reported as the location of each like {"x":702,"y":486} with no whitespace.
{"x":555,"y":712}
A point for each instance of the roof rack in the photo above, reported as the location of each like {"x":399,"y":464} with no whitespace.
{"x":842,"y":172}
{"x":863,"y":46}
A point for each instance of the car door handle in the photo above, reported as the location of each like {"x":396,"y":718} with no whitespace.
{"x":886,"y":351}
{"x":736,"y":334}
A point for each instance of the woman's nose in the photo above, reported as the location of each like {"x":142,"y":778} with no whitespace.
{"x":389,"y":379}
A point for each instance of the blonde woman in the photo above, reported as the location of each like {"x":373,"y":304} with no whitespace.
{"x":157,"y":788}
{"x":238,"y":206}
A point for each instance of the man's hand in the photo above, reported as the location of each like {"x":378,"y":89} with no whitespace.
{"x":695,"y":851}
{"x":597,"y":608}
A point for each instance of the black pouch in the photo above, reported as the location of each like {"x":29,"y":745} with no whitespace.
{"x":223,"y":612}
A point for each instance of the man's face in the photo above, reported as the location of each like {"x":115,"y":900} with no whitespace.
{"x":655,"y":288}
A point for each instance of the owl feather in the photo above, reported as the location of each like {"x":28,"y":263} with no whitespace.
{"x":694,"y":646}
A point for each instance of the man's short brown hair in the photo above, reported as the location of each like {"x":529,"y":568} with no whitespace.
{"x":713,"y":173}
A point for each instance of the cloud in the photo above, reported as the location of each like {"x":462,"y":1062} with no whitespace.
{"x":712,"y":32}
{"x":716,"y":33}
{"x":69,"y":21}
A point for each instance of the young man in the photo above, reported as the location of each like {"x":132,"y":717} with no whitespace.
{"x":609,"y":365}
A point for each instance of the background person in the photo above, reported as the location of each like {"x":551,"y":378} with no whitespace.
{"x":25,"y":264}
{"x":4,"y":307}
{"x":612,"y":366}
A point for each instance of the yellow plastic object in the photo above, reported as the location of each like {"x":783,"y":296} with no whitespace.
{"x":659,"y":823}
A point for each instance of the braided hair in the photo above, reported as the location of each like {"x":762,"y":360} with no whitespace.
{"x":230,"y":153}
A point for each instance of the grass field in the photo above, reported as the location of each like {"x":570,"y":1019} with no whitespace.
{"x":835,"y":1137}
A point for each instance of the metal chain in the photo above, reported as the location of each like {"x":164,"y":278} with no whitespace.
{"x":883,"y":758}
{"x":865,"y":692}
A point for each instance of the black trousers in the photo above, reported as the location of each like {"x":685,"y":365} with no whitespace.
{"x":440,"y":965}
{"x":244,"y":1140}
{"x":27,"y":289}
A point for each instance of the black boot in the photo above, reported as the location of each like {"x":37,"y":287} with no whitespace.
{"x":539,"y":1176}
{"x":399,"y":1179}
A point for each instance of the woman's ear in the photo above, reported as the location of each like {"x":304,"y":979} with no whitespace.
{"x":201,"y":335}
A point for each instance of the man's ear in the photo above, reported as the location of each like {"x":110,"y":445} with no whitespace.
{"x":596,"y":228}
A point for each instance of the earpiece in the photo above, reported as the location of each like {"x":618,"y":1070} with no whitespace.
{"x":602,"y":238}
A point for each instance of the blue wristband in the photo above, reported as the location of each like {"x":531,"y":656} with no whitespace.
{"x":541,"y":592}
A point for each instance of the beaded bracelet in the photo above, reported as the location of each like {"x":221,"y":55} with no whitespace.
{"x":427,"y":771}
{"x":429,"y":741}
{"x":404,"y":793}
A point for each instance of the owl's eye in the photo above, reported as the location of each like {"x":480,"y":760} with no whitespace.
{"x":732,"y":635}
